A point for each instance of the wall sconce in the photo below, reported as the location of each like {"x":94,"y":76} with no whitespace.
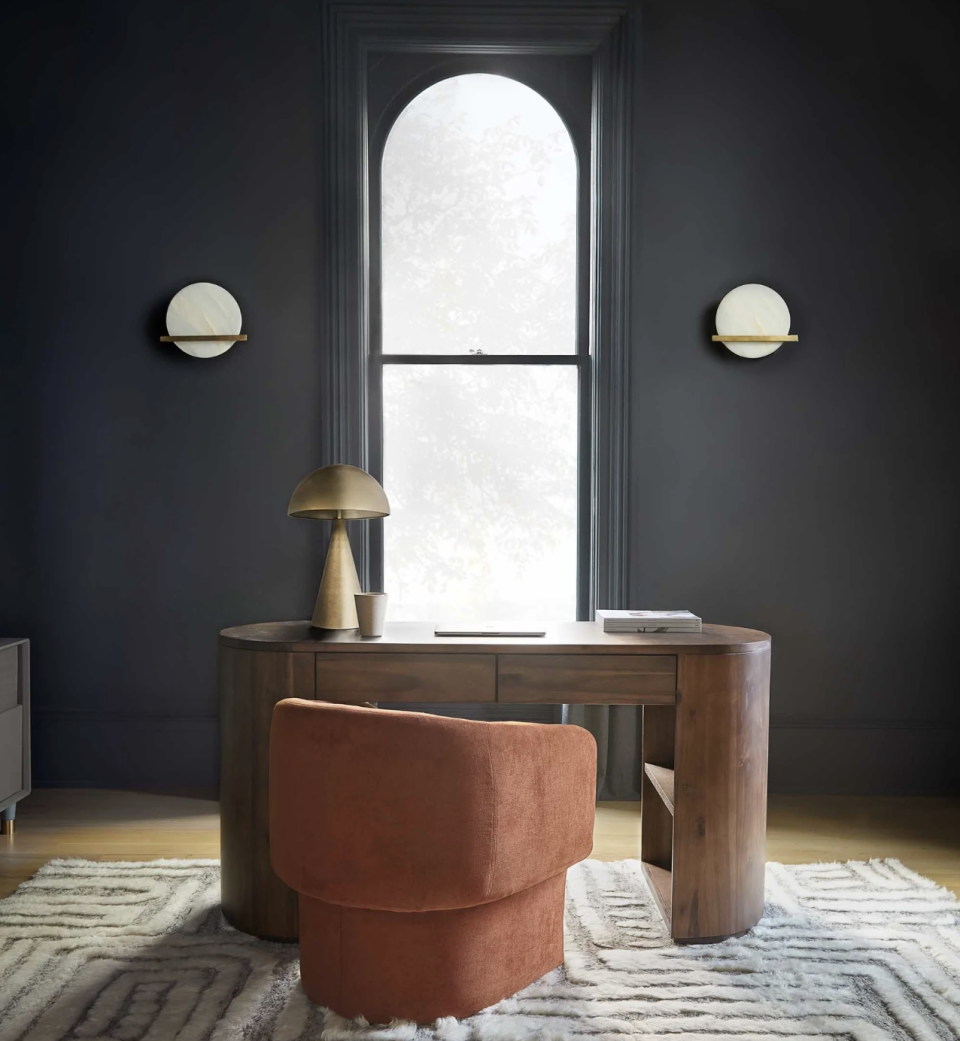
{"x":203,"y":320}
{"x":753,"y":321}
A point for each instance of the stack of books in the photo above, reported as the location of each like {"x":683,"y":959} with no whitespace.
{"x":649,"y":622}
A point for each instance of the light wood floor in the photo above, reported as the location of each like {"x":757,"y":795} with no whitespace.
{"x":924,"y":833}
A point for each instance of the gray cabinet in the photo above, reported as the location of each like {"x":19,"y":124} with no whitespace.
{"x":14,"y":727}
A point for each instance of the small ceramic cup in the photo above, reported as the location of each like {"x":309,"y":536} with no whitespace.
{"x":371,"y":612}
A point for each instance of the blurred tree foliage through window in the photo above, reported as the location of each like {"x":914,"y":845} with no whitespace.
{"x":478,"y":231}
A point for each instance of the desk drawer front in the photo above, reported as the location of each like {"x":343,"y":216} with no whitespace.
{"x":593,"y":679}
{"x":352,"y":678}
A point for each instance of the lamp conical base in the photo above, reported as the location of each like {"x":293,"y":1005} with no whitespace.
{"x":336,"y":607}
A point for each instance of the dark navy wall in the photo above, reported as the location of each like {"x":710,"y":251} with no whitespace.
{"x":155,"y":144}
{"x":813,"y":493}
{"x":150,"y":144}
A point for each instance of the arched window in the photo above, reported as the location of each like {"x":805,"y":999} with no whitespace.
{"x":480,"y":354}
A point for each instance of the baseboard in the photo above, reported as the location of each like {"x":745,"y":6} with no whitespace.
{"x":880,"y":758}
{"x":158,"y":752}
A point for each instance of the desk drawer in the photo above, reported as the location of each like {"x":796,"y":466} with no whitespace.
{"x":352,"y":678}
{"x":591,"y":679}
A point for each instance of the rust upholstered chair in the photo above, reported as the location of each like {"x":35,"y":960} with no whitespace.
{"x":430,"y":854}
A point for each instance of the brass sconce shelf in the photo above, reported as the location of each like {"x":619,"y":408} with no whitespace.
{"x":755,"y":339}
{"x":227,"y":336}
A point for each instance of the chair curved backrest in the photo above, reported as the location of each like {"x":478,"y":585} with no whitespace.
{"x":405,"y":811}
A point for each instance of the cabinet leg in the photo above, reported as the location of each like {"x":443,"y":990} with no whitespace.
{"x":7,"y":818}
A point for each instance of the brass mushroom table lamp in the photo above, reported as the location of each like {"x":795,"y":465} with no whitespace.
{"x":338,"y":493}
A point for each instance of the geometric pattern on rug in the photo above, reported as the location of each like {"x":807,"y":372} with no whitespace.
{"x":139,"y":952}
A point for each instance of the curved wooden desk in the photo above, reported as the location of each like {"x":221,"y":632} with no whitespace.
{"x":705,"y":717}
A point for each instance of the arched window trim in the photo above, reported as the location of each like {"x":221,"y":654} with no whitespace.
{"x":351,"y":37}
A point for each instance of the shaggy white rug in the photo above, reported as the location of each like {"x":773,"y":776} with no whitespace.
{"x":139,"y":952}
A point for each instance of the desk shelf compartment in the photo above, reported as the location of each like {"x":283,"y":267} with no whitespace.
{"x":656,"y":815}
{"x":660,"y":882}
{"x":661,"y":777}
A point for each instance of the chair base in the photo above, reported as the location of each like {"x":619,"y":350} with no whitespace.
{"x":421,"y":965}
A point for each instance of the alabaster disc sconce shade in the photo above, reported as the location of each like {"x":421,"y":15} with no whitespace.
{"x":338,"y":493}
{"x":753,"y":321}
{"x":203,"y":320}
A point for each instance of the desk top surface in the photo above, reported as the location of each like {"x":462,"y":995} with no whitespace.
{"x":561,"y":638}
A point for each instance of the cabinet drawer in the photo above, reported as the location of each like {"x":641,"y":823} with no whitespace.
{"x":592,"y":679}
{"x":353,"y":678}
{"x":11,"y":752}
{"x":9,"y":677}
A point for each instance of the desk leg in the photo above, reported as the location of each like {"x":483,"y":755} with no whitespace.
{"x":720,"y":795}
{"x":253,"y":898}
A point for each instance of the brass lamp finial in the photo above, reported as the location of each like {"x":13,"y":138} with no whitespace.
{"x":338,"y":492}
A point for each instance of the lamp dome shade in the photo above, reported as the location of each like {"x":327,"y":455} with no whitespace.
{"x":338,"y":491}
